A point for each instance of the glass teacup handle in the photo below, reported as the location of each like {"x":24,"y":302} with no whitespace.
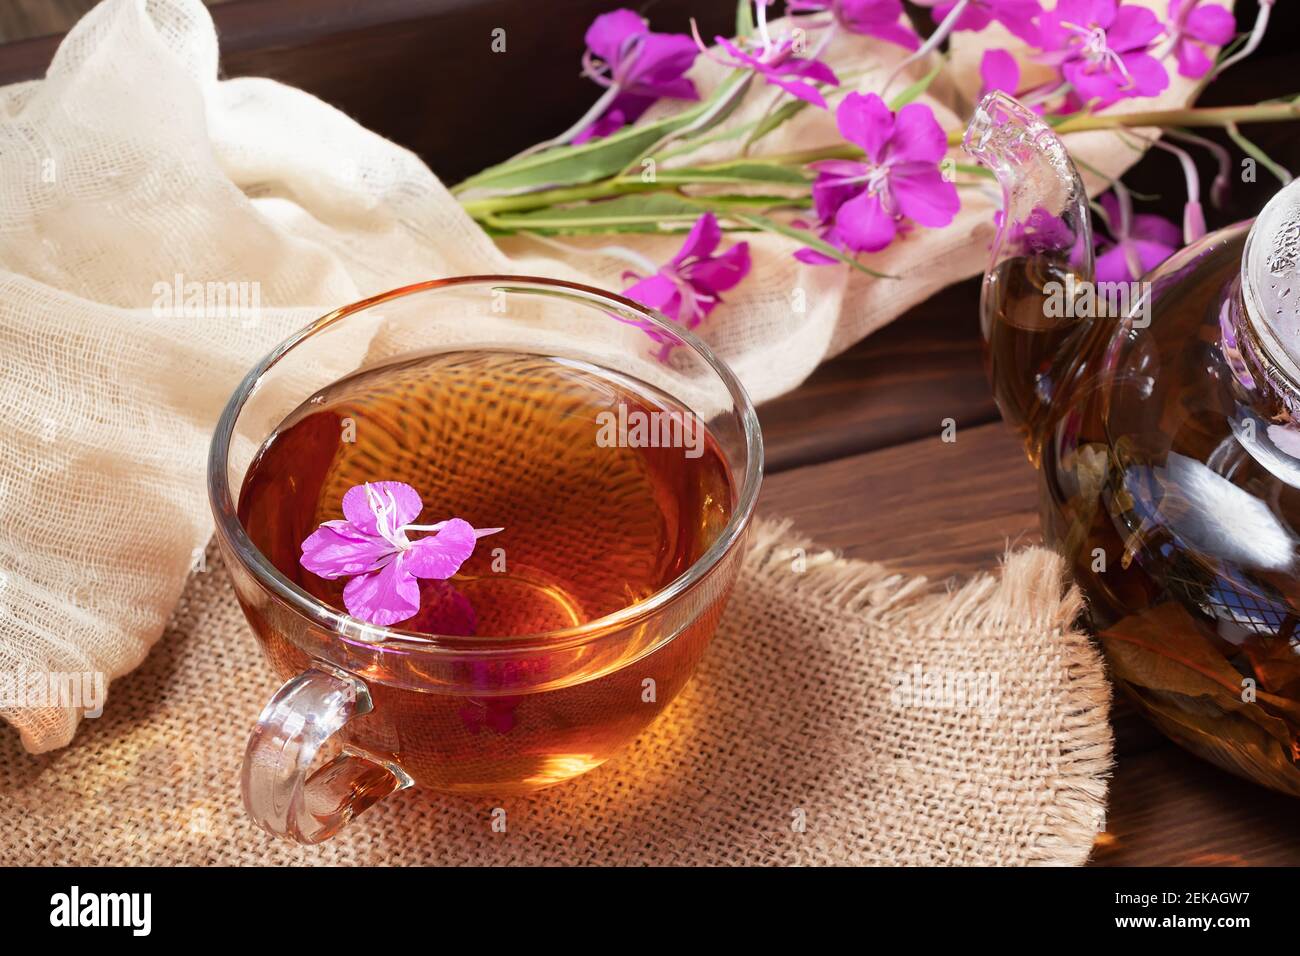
{"x":280,"y":793}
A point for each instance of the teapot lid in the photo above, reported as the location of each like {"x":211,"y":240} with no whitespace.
{"x":1270,"y":278}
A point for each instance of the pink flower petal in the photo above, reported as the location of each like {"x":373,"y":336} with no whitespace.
{"x":1020,"y":18}
{"x":1100,"y":85}
{"x":974,"y":17}
{"x":830,"y":191}
{"x":1211,"y":24}
{"x":1149,"y":76}
{"x":877,"y":18}
{"x":1112,"y":266}
{"x":701,"y":240}
{"x":923,"y":195}
{"x":1192,"y":60}
{"x":356,"y":505}
{"x":736,"y":53}
{"x":657,"y":292}
{"x":863,"y":224}
{"x":1151,"y":254}
{"x":865,"y":121}
{"x":917,"y":136}
{"x":1157,"y":229}
{"x":1087,"y":12}
{"x":385,"y":597}
{"x":721,"y":272}
{"x":610,"y":31}
{"x":1133,"y":28}
{"x":814,"y":258}
{"x":813,"y":70}
{"x":999,"y":71}
{"x":661,"y":59}
{"x":798,"y":89}
{"x":336,"y":549}
{"x":440,"y":555}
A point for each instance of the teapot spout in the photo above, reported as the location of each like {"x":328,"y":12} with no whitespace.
{"x":1041,"y":262}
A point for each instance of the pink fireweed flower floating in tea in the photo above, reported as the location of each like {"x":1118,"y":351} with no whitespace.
{"x":1103,"y":49}
{"x":862,"y":206}
{"x":875,"y":18}
{"x":1190,"y":26}
{"x":636,"y":66}
{"x":689,"y":286}
{"x":1141,"y":242}
{"x":370,"y":545}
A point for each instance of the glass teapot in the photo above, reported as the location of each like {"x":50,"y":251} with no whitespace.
{"x":1164,"y":419}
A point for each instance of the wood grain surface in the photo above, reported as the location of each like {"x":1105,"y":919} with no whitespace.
{"x":855,"y":454}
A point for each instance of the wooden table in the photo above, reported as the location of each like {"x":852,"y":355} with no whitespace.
{"x":854,"y":455}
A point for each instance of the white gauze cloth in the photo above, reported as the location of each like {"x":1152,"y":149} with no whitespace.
{"x":131,"y":165}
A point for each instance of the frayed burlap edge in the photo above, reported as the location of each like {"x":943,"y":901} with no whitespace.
{"x":1031,"y":592}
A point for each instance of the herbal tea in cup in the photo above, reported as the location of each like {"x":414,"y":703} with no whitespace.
{"x":484,"y":528}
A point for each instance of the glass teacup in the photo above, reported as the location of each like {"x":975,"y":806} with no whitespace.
{"x":368,"y":710}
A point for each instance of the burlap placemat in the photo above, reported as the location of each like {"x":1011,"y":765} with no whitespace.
{"x":798,"y":741}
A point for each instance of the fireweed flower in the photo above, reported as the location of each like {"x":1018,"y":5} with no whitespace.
{"x":875,"y":18}
{"x":688,"y":287}
{"x":370,"y":545}
{"x":636,"y":67}
{"x":1191,"y":25}
{"x":1141,"y":242}
{"x":778,"y":62}
{"x":1103,"y":49}
{"x":862,"y":206}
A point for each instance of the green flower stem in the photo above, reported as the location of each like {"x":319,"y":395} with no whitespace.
{"x":1194,"y":116}
{"x":1220,"y":116}
{"x":615,"y":186}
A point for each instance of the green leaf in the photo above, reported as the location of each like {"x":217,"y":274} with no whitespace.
{"x":587,"y":162}
{"x":916,"y":89}
{"x":641,"y":212}
{"x":724,"y":203}
{"x":737,"y":171}
{"x":808,"y":239}
{"x":775,"y":119}
{"x":972,"y":169}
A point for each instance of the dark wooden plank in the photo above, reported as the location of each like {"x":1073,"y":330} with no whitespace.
{"x":895,"y":386}
{"x":423,"y":72}
{"x":926,"y":507}
{"x":1167,"y":808}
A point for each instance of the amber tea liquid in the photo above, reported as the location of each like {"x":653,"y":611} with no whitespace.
{"x":591,"y":526}
{"x":1166,"y":517}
